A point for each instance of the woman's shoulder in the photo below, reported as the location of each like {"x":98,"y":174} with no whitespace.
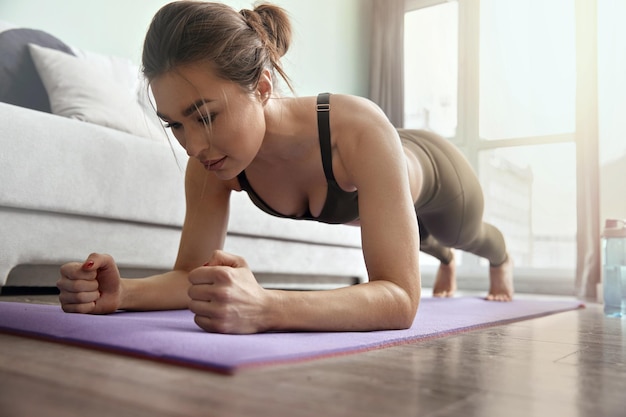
{"x":353,"y":101}
{"x":341,"y":103}
{"x":350,"y":115}
{"x":358,"y":115}
{"x":355,"y":108}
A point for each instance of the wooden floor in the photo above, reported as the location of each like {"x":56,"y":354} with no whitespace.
{"x":568,"y":364}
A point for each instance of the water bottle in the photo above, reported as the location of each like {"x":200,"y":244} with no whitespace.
{"x":614,"y":267}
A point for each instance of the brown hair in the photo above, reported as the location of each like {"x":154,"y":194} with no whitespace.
{"x":238,"y":46}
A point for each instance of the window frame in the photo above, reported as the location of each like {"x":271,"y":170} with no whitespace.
{"x":471,"y":274}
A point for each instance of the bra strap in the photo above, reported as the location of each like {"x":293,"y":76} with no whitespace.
{"x":323,"y":128}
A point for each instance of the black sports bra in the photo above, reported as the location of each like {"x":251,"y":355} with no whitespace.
{"x":340,"y":206}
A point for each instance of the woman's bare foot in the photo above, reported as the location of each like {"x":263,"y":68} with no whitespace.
{"x":501,"y":281}
{"x":445,"y":282}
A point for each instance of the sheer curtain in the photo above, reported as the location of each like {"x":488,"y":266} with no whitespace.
{"x":386,"y":58}
{"x":588,"y":268}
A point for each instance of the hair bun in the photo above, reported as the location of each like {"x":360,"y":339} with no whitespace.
{"x":272,"y":24}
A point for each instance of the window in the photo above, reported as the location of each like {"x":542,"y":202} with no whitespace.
{"x":498,"y":78}
{"x":431,"y":65}
{"x":530,"y":194}
{"x":527,"y":68}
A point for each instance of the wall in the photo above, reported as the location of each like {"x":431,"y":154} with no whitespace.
{"x":329,"y":52}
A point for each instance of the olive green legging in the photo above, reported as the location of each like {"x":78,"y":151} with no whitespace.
{"x":450,"y":207}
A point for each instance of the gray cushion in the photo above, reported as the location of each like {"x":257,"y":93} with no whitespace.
{"x":19,"y":81}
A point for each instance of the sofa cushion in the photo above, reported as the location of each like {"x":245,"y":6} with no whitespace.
{"x":59,"y":165}
{"x":19,"y":81}
{"x":128,"y":76}
{"x":122,"y":70}
{"x":81,"y":89}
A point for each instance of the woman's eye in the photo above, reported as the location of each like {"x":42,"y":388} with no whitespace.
{"x":207,"y":120}
{"x":172,"y":126}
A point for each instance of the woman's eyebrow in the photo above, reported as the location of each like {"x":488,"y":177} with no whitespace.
{"x":189,"y":110}
{"x":194,"y":107}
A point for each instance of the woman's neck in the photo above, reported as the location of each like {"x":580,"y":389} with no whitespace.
{"x":287,"y":129}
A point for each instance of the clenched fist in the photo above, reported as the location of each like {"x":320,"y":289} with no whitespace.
{"x":226,"y":297}
{"x":90,"y":287}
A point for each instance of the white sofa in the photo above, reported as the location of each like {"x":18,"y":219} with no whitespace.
{"x":69,"y":187}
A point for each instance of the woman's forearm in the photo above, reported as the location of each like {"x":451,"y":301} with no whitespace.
{"x":376,"y":305}
{"x":166,"y":291}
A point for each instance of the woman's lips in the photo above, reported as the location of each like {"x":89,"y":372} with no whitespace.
{"x":215,"y":164}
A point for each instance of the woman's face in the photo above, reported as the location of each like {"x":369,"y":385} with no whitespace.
{"x":215,"y":120}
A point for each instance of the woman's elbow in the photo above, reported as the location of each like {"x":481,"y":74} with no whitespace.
{"x":407,"y":317}
{"x":407,"y":304}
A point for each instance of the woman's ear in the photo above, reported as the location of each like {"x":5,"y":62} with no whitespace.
{"x":265,"y":87}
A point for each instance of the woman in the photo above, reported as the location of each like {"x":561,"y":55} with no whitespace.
{"x":335,"y":159}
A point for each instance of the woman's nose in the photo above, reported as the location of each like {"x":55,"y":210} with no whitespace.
{"x":197,"y":142}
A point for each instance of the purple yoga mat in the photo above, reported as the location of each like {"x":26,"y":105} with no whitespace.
{"x":172,"y":336}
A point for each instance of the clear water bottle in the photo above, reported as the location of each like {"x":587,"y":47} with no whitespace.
{"x":614,"y":267}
